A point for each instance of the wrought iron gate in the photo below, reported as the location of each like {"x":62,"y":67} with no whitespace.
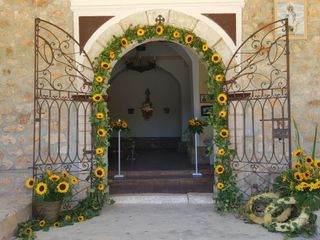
{"x":62,"y":132}
{"x":257,"y":83}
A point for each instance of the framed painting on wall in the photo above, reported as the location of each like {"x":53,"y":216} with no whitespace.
{"x":296,"y":13}
{"x":205,"y":110}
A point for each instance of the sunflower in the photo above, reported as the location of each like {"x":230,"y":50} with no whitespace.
{"x":105,"y":65}
{"x":317,"y":163}
{"x":192,"y":122}
{"x":99,"y":79}
{"x":188,"y":39}
{"x":205,"y":47}
{"x":176,"y":34}
{"x":112,"y":55}
{"x":81,"y":218}
{"x":41,"y":188}
{"x":99,"y":115}
{"x":74,"y":180}
{"x":124,"y":125}
{"x":222,"y":98}
{"x":297,"y":176}
{"x":30,"y":183}
{"x":140,"y":32}
{"x":99,"y":172}
{"x":54,"y":178}
{"x":219,"y":78}
{"x":159,"y":30}
{"x":220,"y":185}
{"x":284,"y":178}
{"x":215,"y":58}
{"x":56,"y":224}
{"x":101,"y":186}
{"x":28,"y":231}
{"x":305,"y":185}
{"x":99,"y":150}
{"x":97,"y":97}
{"x":64,"y":174}
{"x":68,"y":218}
{"x":101,"y":132}
{"x":306,"y":175}
{"x":297,"y":153}
{"x":297,"y":166}
{"x":63,"y":187}
{"x":308,"y":160}
{"x":42,"y":223}
{"x":221,"y":152}
{"x":118,"y":123}
{"x":49,"y":172}
{"x":224,"y":133}
{"x":124,"y":42}
{"x":317,"y":184}
{"x":219,"y":169}
{"x":222,"y":114}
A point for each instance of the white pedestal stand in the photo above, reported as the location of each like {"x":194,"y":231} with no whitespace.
{"x":196,"y":174}
{"x":119,"y":175}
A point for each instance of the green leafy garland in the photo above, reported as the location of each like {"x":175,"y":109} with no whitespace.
{"x":228,"y":197}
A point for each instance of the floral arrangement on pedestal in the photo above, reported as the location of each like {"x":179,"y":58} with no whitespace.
{"x":119,"y":125}
{"x":296,"y":195}
{"x":195,"y":126}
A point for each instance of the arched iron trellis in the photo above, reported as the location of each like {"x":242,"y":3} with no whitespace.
{"x":257,"y":83}
{"x":62,"y":132}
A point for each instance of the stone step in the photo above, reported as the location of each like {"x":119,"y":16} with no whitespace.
{"x":161,"y":182}
{"x":161,"y":174}
{"x":13,"y":210}
{"x":161,"y":198}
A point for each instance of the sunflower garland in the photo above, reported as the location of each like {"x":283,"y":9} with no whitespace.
{"x":228,"y":196}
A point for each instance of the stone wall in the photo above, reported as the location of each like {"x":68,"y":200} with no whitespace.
{"x":16,"y":82}
{"x":16,"y":79}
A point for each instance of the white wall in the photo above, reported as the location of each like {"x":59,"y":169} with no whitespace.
{"x":128,"y":91}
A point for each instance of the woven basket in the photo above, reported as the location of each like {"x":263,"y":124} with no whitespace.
{"x":49,"y":210}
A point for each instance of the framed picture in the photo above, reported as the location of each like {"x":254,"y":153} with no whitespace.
{"x":296,"y":13}
{"x":205,"y":109}
{"x":204,"y":98}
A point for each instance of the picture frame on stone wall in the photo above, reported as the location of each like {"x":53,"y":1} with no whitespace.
{"x":205,"y":110}
{"x":296,"y":13}
{"x":204,"y":98}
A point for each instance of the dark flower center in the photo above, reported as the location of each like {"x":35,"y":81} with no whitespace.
{"x":99,"y":172}
{"x":63,"y":186}
{"x":41,"y":188}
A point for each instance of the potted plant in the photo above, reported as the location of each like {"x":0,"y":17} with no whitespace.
{"x":50,"y":190}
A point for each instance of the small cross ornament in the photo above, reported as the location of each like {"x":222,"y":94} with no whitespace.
{"x":159,"y":19}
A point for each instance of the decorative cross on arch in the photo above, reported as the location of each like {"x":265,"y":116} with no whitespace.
{"x":159,"y":19}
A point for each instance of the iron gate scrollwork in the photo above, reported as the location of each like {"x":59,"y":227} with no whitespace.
{"x":62,"y":107}
{"x":257,"y":84}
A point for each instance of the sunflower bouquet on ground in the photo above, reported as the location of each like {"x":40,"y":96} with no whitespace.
{"x":302,"y":180}
{"x":52,"y":186}
{"x":119,"y":125}
{"x":195,"y":126}
{"x":296,"y":195}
